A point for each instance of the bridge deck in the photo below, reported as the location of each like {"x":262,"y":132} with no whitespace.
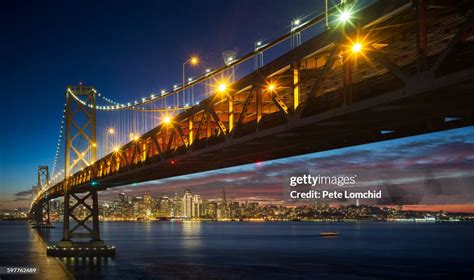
{"x":249,"y":124}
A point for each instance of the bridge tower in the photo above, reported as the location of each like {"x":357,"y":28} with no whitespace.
{"x":42,"y":214}
{"x":81,"y":235}
{"x":43,"y":176}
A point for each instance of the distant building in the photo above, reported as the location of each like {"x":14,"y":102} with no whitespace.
{"x":177,"y":206}
{"x":187,"y":204}
{"x":223,"y":209}
{"x":164,"y":206}
{"x":211,"y":210}
{"x":197,"y":209}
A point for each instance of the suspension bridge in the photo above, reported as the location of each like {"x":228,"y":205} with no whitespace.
{"x":351,"y":76}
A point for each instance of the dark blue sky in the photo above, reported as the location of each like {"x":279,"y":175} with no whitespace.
{"x":128,"y":50}
{"x":125,"y":49}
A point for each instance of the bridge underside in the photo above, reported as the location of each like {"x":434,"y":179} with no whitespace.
{"x":326,"y":98}
{"x":393,"y":115}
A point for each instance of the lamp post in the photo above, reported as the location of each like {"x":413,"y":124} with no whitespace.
{"x":110,"y":131}
{"x":193,"y":60}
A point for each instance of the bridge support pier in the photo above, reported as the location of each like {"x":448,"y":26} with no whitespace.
{"x":83,"y":238}
{"x":41,"y":217}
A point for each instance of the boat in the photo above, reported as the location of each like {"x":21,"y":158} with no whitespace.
{"x":329,"y":233}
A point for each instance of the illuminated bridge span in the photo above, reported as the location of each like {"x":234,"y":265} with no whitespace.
{"x":392,"y":69}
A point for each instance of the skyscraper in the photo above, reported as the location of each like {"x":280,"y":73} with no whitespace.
{"x":164,"y":206}
{"x":223,"y":210}
{"x":187,"y":204}
{"x":177,"y":208}
{"x":197,"y":206}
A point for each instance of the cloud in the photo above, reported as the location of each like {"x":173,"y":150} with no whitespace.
{"x":24,"y":193}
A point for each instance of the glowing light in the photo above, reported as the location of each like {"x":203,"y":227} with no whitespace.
{"x":116,"y":149}
{"x":357,"y":47}
{"x":111,"y":131}
{"x":167,"y":120}
{"x":173,"y":162}
{"x":194,"y":60}
{"x":259,"y":43}
{"x":222,"y":87}
{"x":296,"y":22}
{"x":134,"y":136}
{"x":271,"y":87}
{"x":208,"y":70}
{"x":345,"y":16}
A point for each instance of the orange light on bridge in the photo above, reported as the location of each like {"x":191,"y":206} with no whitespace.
{"x":167,"y":119}
{"x":134,"y":137}
{"x":194,"y":60}
{"x":356,"y":47}
{"x":116,"y":149}
{"x":272,"y":86}
{"x":222,"y":87}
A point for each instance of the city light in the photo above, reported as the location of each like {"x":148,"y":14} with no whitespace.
{"x":116,"y":148}
{"x":111,"y":131}
{"x":296,"y":22}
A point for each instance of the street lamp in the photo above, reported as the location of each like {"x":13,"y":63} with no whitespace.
{"x":167,"y":120}
{"x":222,"y":87}
{"x":110,"y":131}
{"x":271,"y":87}
{"x":345,"y":16}
{"x":357,"y":47}
{"x":193,"y":60}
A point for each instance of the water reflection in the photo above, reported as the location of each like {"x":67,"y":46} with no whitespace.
{"x":191,"y":235}
{"x":90,"y":264}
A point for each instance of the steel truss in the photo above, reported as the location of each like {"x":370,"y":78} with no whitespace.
{"x":81,"y":150}
{"x":318,"y":79}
